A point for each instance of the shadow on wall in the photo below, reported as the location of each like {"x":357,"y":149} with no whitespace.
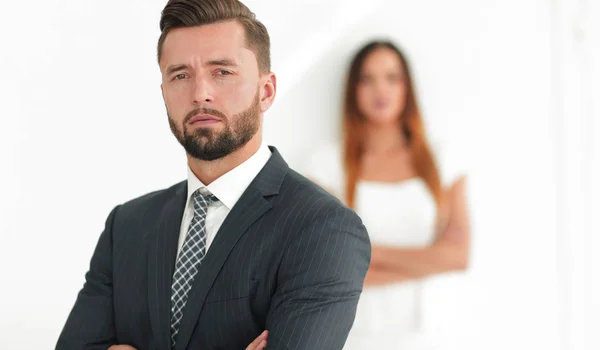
{"x":312,"y":63}
{"x":311,"y":77}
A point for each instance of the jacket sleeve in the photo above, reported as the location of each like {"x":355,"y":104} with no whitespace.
{"x":319,"y":284}
{"x":90,"y":324}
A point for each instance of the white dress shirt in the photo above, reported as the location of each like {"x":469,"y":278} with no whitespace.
{"x":227,"y":188}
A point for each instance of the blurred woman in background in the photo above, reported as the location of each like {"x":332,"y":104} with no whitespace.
{"x":415,"y":212}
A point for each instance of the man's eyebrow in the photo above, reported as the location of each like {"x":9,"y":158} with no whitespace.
{"x":222,"y":62}
{"x":176,"y":68}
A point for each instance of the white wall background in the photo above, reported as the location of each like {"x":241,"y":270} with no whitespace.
{"x":577,"y":98}
{"x":511,"y":86}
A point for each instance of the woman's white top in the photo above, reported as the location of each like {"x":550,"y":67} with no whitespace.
{"x":399,"y":214}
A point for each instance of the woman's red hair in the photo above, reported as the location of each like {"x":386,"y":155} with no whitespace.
{"x":411,"y":124}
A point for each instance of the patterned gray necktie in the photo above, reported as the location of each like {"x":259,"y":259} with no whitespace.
{"x":189,"y":259}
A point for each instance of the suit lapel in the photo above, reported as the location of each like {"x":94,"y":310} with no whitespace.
{"x":249,"y":208}
{"x":162,"y":251}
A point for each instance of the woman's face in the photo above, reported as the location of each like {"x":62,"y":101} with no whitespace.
{"x":381,"y":91}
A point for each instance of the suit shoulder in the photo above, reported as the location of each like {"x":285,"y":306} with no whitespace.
{"x":301,"y":189}
{"x":148,"y":201}
{"x":314,"y":212}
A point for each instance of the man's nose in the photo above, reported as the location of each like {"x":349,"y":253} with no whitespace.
{"x":202,"y":91}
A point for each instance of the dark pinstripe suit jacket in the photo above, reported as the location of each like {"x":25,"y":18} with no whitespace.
{"x":289,"y":258}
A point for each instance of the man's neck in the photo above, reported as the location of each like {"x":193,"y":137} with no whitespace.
{"x":209,"y":171}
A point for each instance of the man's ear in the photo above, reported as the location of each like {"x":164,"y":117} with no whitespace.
{"x":268,"y":91}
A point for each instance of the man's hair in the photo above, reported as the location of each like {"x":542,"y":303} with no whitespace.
{"x":192,"y":13}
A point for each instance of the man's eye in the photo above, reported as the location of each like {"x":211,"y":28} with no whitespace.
{"x":179,"y":77}
{"x":223,"y":72}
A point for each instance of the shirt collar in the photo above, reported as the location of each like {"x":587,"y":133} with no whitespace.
{"x":230,"y":186}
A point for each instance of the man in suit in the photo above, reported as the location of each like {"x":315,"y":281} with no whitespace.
{"x":246,"y":244}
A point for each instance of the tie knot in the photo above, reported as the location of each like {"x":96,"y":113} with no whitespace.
{"x":202,"y":199}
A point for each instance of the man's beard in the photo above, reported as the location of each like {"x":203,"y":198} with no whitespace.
{"x":211,"y":144}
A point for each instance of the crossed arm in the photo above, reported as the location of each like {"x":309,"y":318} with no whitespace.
{"x":90,"y":325}
{"x":320,"y":280}
{"x":319,"y":284}
{"x":450,"y":251}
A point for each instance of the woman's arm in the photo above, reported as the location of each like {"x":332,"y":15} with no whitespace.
{"x":377,"y":276}
{"x":450,"y":251}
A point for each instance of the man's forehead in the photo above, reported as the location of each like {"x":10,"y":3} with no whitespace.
{"x":225,"y":35}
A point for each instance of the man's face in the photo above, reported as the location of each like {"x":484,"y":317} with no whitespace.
{"x":212,"y":89}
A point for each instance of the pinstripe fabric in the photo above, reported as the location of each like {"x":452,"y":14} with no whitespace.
{"x":289,"y":258}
